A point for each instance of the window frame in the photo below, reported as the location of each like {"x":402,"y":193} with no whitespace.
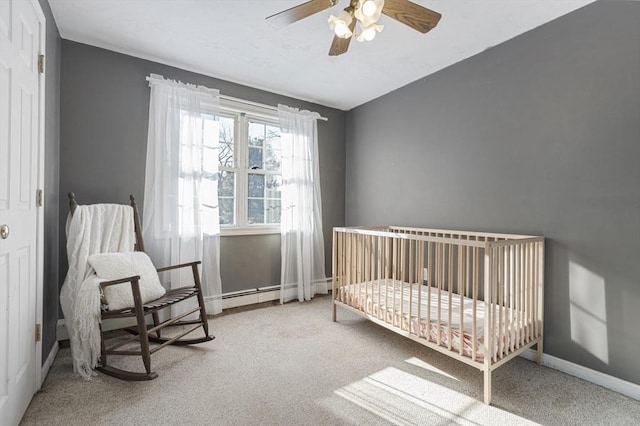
{"x":242,"y":114}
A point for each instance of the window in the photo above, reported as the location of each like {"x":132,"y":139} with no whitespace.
{"x":249,"y":171}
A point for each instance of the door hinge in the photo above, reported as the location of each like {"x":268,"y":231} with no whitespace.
{"x":41,"y":64}
{"x":39,"y":198}
{"x":38,"y":332}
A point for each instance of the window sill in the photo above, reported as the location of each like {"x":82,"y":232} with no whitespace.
{"x":258,"y":230}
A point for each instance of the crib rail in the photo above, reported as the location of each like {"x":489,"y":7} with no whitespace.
{"x":476,"y":295}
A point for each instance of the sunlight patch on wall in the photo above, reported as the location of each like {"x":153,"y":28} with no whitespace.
{"x":588,"y":311}
{"x":420,"y":363}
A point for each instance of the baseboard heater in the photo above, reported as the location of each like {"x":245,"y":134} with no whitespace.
{"x":256,"y":295}
{"x":251,"y":296}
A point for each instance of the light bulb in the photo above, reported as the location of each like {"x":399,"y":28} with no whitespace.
{"x":341,"y":29}
{"x":368,"y":8}
{"x":369,"y":34}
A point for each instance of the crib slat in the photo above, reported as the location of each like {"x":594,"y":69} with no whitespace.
{"x":502,"y":320}
{"x":450,"y":289}
{"x":495,"y":320}
{"x":335,"y":273}
{"x":402,"y":279}
{"x":507,"y":301}
{"x":386,"y":276}
{"x":488,"y":277}
{"x":395,"y":273}
{"x":420,"y":283}
{"x":476,"y":280}
{"x":380,"y":239}
{"x":347,"y":265}
{"x":531,"y":286}
{"x":525,"y":288}
{"x":540,"y":296}
{"x":372,"y":272}
{"x":430,"y":281}
{"x":412,"y":279}
{"x":534,"y":280}
{"x":440,"y":265}
{"x":521,"y":268}
{"x":358,"y":272}
{"x":461,"y":291}
{"x":365,"y":255}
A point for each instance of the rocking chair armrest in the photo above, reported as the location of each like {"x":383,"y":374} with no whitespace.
{"x":182,"y":265}
{"x":131,"y":279}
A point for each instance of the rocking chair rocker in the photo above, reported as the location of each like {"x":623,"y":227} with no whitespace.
{"x":142,"y":332}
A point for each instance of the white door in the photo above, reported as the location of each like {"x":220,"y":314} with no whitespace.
{"x":21,"y":26}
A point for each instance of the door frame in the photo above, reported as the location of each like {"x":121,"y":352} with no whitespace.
{"x":40,"y":185}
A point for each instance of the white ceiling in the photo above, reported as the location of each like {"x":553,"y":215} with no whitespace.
{"x":230,"y":40}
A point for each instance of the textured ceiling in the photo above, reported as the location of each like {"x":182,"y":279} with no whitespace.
{"x":229,"y":39}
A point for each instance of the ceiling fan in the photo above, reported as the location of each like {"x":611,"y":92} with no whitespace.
{"x":363,"y":12}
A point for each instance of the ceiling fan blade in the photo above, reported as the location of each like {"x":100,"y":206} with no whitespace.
{"x":417,"y":17}
{"x":299,"y":12}
{"x":340,"y":45}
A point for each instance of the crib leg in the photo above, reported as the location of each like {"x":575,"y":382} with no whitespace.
{"x":487,"y":385}
{"x":334,"y":313}
{"x":539,"y":353}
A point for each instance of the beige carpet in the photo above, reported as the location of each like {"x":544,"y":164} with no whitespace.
{"x":291,"y":365}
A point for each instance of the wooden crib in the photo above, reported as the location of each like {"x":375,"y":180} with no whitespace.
{"x":445,"y":289}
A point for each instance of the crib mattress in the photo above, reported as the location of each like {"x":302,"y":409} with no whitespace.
{"x":434,"y":322}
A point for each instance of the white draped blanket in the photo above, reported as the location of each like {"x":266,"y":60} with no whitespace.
{"x":97,"y":228}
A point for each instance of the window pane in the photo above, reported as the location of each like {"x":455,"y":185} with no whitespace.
{"x":272,"y":159}
{"x":273,"y":137}
{"x":255,"y":158}
{"x":256,"y":134}
{"x":256,"y":185}
{"x":225,"y":155}
{"x":226,"y":128}
{"x":273,"y":211}
{"x":272,"y":148}
{"x":226,"y":184}
{"x":226,"y":211}
{"x":256,"y":211}
{"x":274,"y":183}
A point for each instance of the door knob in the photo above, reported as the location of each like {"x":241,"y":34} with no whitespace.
{"x":4,"y":232}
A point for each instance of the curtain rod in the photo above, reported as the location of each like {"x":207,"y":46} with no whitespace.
{"x":158,"y":77}
{"x":256,"y":104}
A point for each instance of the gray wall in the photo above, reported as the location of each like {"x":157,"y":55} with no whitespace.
{"x":51,"y":181}
{"x":539,"y":135}
{"x":104,"y":118}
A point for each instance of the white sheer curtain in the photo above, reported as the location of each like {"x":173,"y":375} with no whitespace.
{"x":180,"y":218}
{"x":302,"y":248}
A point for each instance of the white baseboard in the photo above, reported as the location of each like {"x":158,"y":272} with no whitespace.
{"x":617,"y":385}
{"x":49,"y":362}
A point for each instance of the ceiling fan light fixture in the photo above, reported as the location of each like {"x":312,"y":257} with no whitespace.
{"x":340,"y":24}
{"x":369,"y":33}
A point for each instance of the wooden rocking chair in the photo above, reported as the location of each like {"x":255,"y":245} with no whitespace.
{"x":142,"y":332}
